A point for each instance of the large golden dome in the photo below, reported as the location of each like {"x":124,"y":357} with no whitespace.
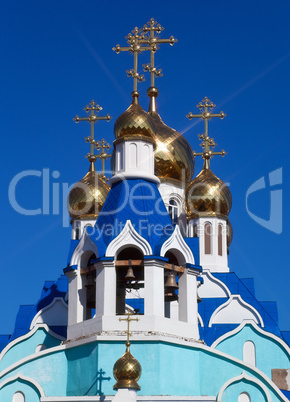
{"x":134,"y":121}
{"x":87,"y":197}
{"x":207,"y":195}
{"x":127,"y":371}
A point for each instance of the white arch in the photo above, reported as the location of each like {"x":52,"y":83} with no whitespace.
{"x":234,"y":311}
{"x":212,"y":287}
{"x":249,"y":352}
{"x":128,"y":237}
{"x":242,"y":377}
{"x":85,"y":244}
{"x":28,"y":335}
{"x":200,"y":320}
{"x":19,"y":376}
{"x":258,"y":329}
{"x":48,"y":313}
{"x":176,"y":241}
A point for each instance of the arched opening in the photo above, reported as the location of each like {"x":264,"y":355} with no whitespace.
{"x":77,"y":233}
{"x":171,"y":279}
{"x":244,"y":397}
{"x":194,"y":234}
{"x":88,"y":292}
{"x":130,"y":281}
{"x":220,"y":239}
{"x":173,"y":210}
{"x":18,"y":397}
{"x":249,"y":353}
{"x":207,"y":238}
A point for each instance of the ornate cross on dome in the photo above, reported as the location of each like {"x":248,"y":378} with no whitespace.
{"x":103,"y":155}
{"x":207,"y":143}
{"x":151,"y":29}
{"x":128,"y":319}
{"x":135,"y":47}
{"x":92,"y":107}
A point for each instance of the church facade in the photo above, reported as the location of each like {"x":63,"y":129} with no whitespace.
{"x":147,"y":274}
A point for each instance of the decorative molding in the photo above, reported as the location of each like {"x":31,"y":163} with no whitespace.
{"x":242,"y":377}
{"x":238,"y":310}
{"x":216,"y":287}
{"x":176,"y":241}
{"x":200,"y":320}
{"x":258,"y":329}
{"x":28,"y":335}
{"x":50,"y":306}
{"x":85,"y":244}
{"x":128,"y":237}
{"x":19,"y":376}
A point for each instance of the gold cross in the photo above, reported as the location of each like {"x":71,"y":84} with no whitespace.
{"x":103,"y":155}
{"x":134,"y":41}
{"x":153,"y":41}
{"x":92,"y":107}
{"x":207,"y":143}
{"x":128,"y":319}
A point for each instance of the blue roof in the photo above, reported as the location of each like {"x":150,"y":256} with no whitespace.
{"x":140,"y":202}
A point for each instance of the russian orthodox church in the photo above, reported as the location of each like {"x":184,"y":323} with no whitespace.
{"x":147,"y":295}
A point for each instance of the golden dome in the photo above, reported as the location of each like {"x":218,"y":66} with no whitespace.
{"x":87,"y":197}
{"x":127,"y":371}
{"x":207,"y":195}
{"x":134,"y":121}
{"x":173,"y":154}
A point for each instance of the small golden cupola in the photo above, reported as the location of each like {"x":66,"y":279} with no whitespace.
{"x":127,"y":370}
{"x":133,"y":155}
{"x":87,"y":197}
{"x":207,"y":196}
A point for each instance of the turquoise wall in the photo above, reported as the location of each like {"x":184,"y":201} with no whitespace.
{"x":168,"y":369}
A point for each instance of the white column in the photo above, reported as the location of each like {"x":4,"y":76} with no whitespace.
{"x":188,"y":299}
{"x":75,"y":305}
{"x":154,"y":288}
{"x":105,"y":288}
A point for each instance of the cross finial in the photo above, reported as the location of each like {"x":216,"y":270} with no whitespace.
{"x":128,"y":319}
{"x":92,"y":118}
{"x":134,"y":41}
{"x":207,"y":144}
{"x":152,"y":30}
{"x":103,"y":155}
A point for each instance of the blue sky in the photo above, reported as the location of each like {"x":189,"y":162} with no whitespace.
{"x":57,"y":56}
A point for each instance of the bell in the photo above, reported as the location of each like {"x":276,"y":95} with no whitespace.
{"x":171,"y":282}
{"x":130,"y":275}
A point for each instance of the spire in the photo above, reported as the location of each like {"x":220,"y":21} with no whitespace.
{"x":152,"y":30}
{"x":134,"y":39}
{"x":207,"y":144}
{"x":92,"y":118}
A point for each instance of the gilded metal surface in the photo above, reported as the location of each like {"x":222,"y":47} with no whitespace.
{"x":173,"y":154}
{"x":127,"y":371}
{"x":134,"y":121}
{"x":207,"y":195}
{"x":87,"y":197}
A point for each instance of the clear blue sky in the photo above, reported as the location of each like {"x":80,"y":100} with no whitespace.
{"x":57,"y":55}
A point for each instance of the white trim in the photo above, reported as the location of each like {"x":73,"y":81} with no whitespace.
{"x":245,"y":305}
{"x":176,"y":241}
{"x":241,"y":377}
{"x":55,"y":300}
{"x":19,"y":376}
{"x":84,"y":244}
{"x":216,"y":282}
{"x":131,"y":175}
{"x":257,"y":328}
{"x":128,"y":237}
{"x":149,"y":398}
{"x":200,"y":320}
{"x":28,"y":335}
